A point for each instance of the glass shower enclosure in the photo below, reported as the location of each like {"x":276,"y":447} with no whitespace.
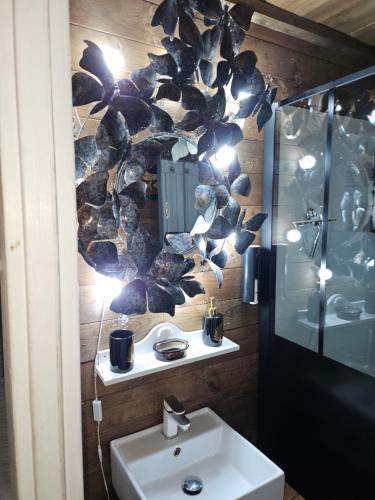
{"x":317,"y":347}
{"x":323,"y":221}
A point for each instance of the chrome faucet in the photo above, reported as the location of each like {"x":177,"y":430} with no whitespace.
{"x":174,"y":417}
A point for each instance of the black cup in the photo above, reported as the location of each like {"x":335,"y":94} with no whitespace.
{"x":121,"y":350}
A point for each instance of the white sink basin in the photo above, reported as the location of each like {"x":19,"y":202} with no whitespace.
{"x":147,"y":466}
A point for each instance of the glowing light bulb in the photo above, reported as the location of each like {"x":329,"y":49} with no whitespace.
{"x":223,"y":157}
{"x":371,"y":117}
{"x":114,"y":59}
{"x":107,"y":288}
{"x":244,"y":95}
{"x":293,"y":235}
{"x":338,"y":107}
{"x":232,"y":238}
{"x":325,"y":274}
{"x":307,"y":162}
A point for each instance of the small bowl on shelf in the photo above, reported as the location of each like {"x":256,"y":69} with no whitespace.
{"x":171,"y":349}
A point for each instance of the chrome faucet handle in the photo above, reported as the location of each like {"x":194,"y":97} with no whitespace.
{"x":173,"y":405}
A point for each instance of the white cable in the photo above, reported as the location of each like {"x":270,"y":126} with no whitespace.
{"x":100,"y":454}
{"x":98,"y":346}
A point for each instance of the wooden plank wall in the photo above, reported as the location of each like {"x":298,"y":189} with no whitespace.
{"x":228,"y":384}
{"x":358,"y":22}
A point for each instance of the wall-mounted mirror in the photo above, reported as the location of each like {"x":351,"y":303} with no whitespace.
{"x":171,"y":178}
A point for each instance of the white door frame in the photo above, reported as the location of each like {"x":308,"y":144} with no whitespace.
{"x":39,"y":278}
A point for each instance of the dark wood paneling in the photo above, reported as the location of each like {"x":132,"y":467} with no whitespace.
{"x":91,"y":301}
{"x":246,"y":337}
{"x":355,"y":18}
{"x":236,"y":315}
{"x":291,"y":494}
{"x":227,"y":384}
{"x":119,"y":18}
{"x":323,"y":35}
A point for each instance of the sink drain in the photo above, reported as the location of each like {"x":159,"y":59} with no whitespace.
{"x":192,"y":485}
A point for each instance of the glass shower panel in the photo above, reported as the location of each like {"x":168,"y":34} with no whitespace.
{"x":300,"y":139}
{"x":349,"y":335}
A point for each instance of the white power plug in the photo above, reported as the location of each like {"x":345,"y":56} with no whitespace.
{"x":97,"y":410}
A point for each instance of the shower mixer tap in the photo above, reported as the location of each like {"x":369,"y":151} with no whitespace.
{"x":312,"y":217}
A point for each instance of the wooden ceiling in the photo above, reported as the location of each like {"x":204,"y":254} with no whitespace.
{"x":353,"y":17}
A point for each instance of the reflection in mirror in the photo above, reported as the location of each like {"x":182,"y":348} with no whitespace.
{"x":171,"y":179}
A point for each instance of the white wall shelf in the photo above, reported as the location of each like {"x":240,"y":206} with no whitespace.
{"x":145,"y":361}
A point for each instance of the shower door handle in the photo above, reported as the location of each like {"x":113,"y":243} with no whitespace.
{"x":314,"y":221}
{"x":312,"y":217}
{"x":316,"y":240}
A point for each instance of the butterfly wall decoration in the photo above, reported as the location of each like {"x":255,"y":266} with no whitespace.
{"x":200,"y":71}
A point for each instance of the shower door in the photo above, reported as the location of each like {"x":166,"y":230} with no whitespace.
{"x":317,"y":356}
{"x":350,"y":291}
{"x":298,"y":192}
